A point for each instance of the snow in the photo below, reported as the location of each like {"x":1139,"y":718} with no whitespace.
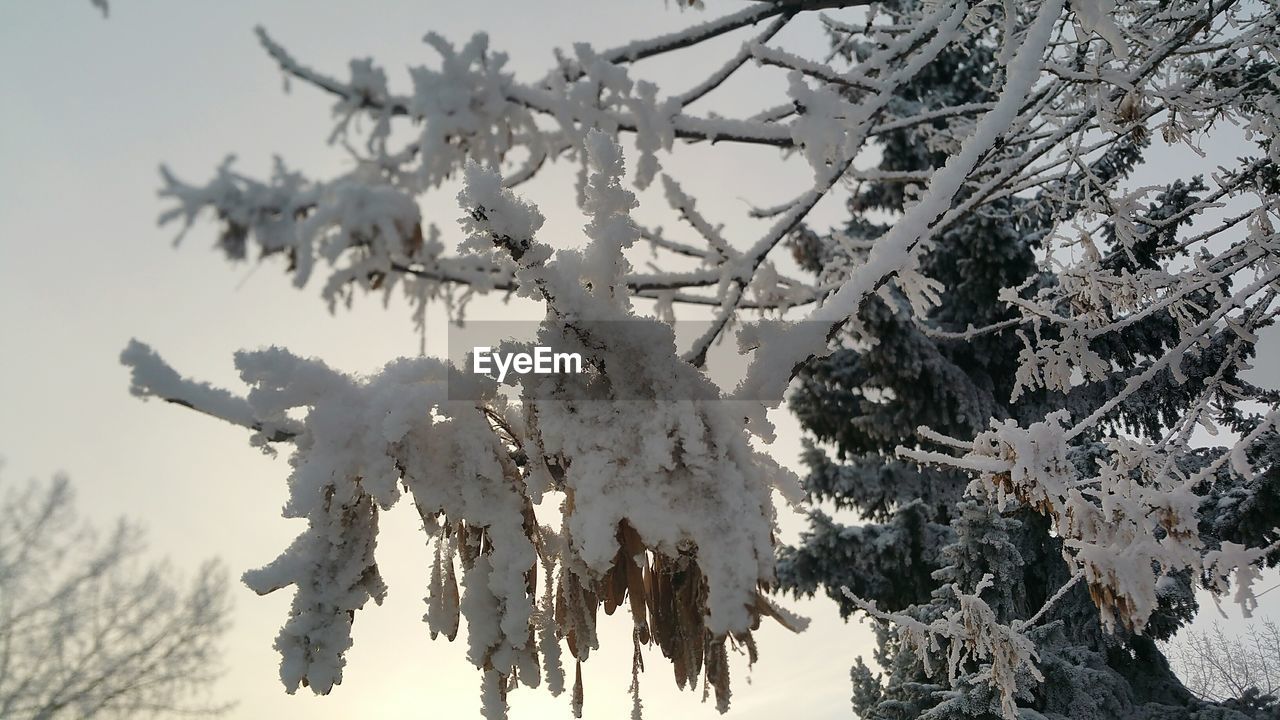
{"x":972,"y":634}
{"x":151,"y":376}
{"x":656,"y":477}
{"x":1094,"y":16}
{"x":774,"y":362}
{"x":680,"y":472}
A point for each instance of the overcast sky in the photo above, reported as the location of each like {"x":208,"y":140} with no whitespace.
{"x":88,"y":110}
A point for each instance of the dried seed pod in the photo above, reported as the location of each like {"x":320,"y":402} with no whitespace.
{"x":452,"y":600}
{"x":577,"y":690}
{"x":560,"y":605}
{"x":633,"y":551}
{"x":748,"y":641}
{"x":718,"y":673}
{"x":681,"y":668}
{"x":613,"y":586}
{"x":637,"y":667}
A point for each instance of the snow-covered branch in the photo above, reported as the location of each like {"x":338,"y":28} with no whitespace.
{"x":1130,"y":296}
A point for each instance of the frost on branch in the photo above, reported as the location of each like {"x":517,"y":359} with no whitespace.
{"x":666,"y":509}
{"x":1126,"y":530}
{"x":366,"y":229}
{"x":1008,"y":133}
{"x":1123,"y":528}
{"x":969,"y":634}
{"x":654,"y":487}
{"x":464,"y":110}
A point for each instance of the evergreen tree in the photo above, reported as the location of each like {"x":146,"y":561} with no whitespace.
{"x":920,"y":536}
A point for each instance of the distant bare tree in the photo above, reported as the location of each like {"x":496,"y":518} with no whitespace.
{"x":86,"y":629}
{"x":1221,"y":667}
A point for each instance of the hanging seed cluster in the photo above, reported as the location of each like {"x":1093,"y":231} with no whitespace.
{"x":667,"y":511}
{"x":665,"y":597}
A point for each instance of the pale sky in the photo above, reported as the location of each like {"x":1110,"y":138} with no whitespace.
{"x":89,"y":109}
